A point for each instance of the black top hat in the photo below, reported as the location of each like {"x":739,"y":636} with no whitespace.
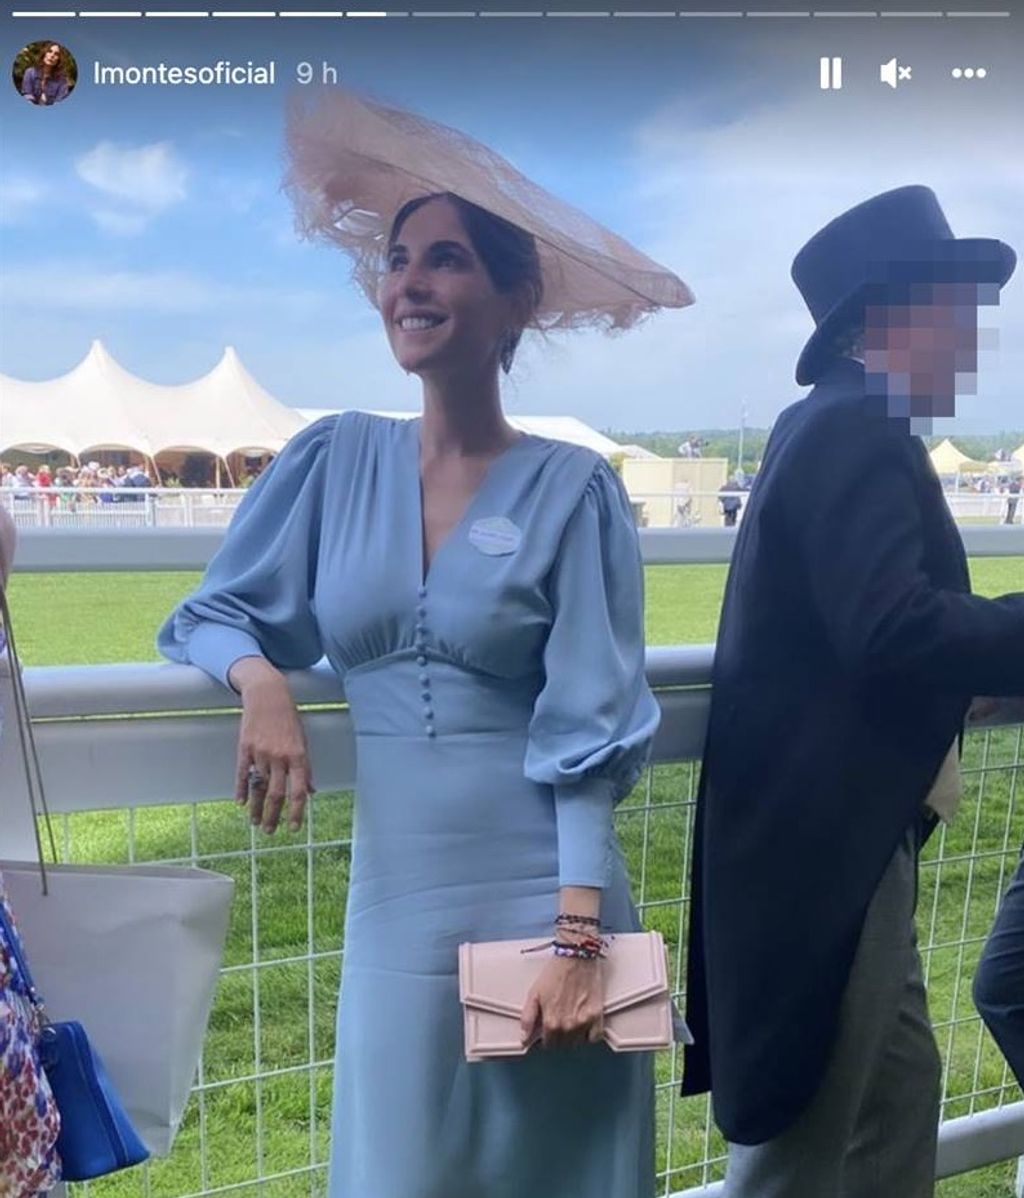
{"x":893,"y":239}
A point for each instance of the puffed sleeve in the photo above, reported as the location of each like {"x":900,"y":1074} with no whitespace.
{"x":594,"y":719}
{"x":256,"y":598}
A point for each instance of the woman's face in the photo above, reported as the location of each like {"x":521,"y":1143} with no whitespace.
{"x":52,"y":55}
{"x":442,"y":314}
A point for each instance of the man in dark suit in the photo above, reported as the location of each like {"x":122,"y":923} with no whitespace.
{"x":730,"y":502}
{"x":136,"y":480}
{"x":848,"y":652}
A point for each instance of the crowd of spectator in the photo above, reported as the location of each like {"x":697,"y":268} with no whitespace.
{"x":72,"y":485}
{"x":988,"y":484}
{"x":1008,"y":486}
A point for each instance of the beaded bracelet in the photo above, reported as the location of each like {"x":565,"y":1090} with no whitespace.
{"x":585,"y":920}
{"x":577,"y":951}
{"x":587,"y":949}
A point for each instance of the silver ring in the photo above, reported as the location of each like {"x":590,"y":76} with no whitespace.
{"x":256,"y":777}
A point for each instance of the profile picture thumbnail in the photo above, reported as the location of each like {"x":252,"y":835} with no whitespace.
{"x":45,"y":73}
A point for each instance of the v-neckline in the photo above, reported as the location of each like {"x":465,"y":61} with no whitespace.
{"x":424,"y":570}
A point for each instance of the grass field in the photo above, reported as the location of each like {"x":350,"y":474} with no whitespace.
{"x":80,"y":619}
{"x":280,"y":1123}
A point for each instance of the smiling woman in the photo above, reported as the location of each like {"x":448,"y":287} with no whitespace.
{"x":480,"y":592}
{"x":508,"y":255}
{"x":482,"y":273}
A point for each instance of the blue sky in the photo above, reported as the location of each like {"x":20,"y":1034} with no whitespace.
{"x":151,"y":217}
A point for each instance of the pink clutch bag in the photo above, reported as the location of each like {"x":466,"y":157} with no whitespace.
{"x":495,"y":978}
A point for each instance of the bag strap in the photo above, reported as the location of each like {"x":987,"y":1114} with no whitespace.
{"x":18,"y":953}
{"x":30,"y":755}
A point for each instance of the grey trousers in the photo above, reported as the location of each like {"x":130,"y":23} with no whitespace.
{"x":871,"y":1129}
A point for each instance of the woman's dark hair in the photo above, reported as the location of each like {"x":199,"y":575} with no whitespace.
{"x":508,"y":253}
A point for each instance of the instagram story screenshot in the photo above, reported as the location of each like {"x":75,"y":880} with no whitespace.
{"x":396,"y":387}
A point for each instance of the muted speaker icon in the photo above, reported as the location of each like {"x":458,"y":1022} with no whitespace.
{"x":894,"y":73}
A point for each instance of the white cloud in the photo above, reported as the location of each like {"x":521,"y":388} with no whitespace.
{"x":728,"y":204}
{"x":144,"y":180}
{"x":18,"y":197}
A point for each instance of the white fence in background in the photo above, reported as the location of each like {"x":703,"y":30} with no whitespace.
{"x":157,"y":507}
{"x":971,"y":505}
{"x":121,"y":507}
{"x":151,"y":789}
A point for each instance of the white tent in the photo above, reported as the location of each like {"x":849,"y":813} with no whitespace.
{"x":558,"y":428}
{"x":947,"y":459}
{"x":1018,"y":453}
{"x":100,"y":405}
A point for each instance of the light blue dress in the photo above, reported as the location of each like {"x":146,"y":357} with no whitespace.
{"x":501,"y":710}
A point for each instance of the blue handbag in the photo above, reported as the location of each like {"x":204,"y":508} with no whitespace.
{"x":96,"y":1136}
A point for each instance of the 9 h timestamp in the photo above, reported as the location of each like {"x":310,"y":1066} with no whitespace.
{"x":316,"y":72}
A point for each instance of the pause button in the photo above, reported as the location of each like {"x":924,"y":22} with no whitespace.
{"x":831,"y":74}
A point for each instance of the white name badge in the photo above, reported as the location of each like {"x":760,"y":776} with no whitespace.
{"x":495,"y":536}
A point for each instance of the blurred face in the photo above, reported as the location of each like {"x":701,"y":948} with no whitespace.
{"x":442,"y":313}
{"x":928,"y":350}
{"x":52,"y":55}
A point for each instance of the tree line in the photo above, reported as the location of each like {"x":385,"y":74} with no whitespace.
{"x":724,"y":443}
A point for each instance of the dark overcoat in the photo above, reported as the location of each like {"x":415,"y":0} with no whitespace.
{"x":848,"y":651}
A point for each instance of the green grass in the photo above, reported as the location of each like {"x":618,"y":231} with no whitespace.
{"x":80,"y":619}
{"x":92,"y":618}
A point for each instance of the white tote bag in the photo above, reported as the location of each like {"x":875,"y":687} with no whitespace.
{"x":131,"y":952}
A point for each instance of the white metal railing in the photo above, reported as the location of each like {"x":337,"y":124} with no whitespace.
{"x":166,"y":507}
{"x":146,"y":789}
{"x":121,"y":507}
{"x":157,"y":776}
{"x":54,"y":550}
{"x":986,"y":505}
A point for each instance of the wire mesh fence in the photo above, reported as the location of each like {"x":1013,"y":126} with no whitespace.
{"x":258,"y":1119}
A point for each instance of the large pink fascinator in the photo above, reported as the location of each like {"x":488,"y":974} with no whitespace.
{"x":354,"y":162}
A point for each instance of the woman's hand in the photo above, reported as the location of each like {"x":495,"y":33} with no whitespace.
{"x":272,"y":740}
{"x":566,"y":1003}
